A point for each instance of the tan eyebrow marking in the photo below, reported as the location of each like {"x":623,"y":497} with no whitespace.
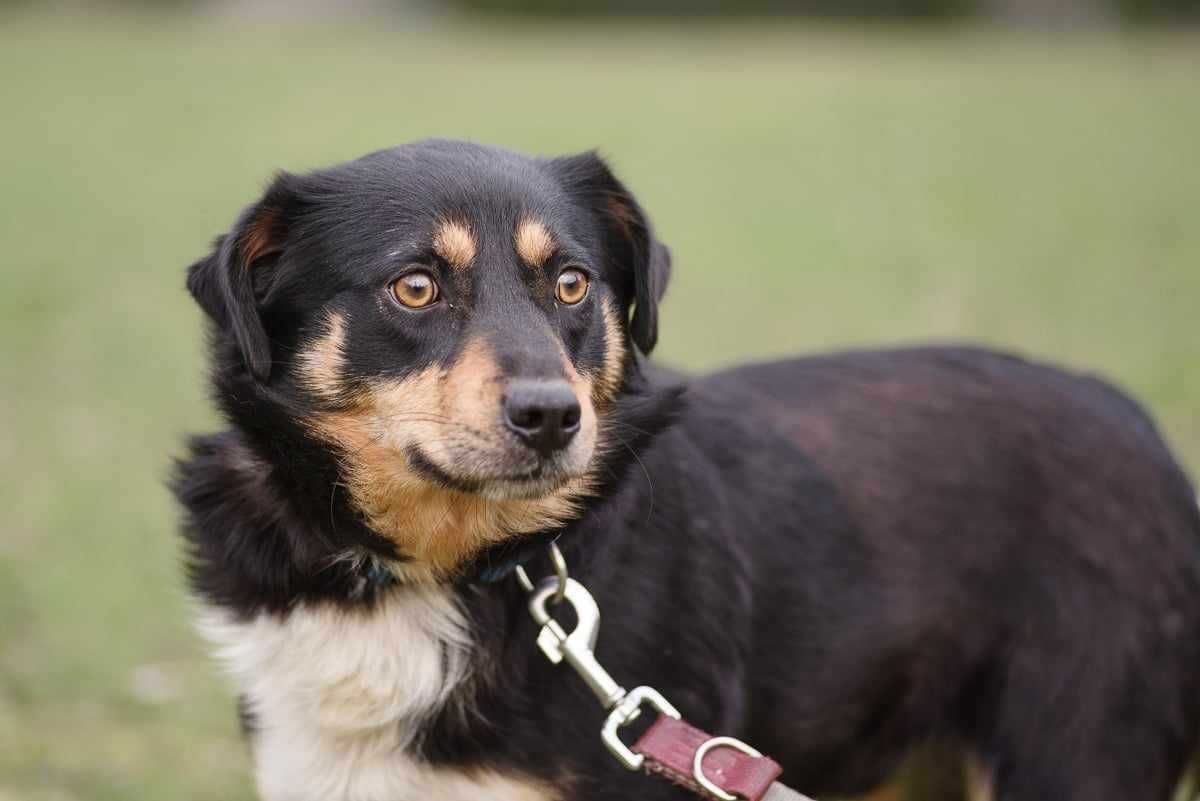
{"x":533,"y":241}
{"x":452,"y":240}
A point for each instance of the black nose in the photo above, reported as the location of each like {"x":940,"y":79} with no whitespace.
{"x":544,"y":414}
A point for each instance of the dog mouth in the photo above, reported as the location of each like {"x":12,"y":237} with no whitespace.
{"x":534,"y":481}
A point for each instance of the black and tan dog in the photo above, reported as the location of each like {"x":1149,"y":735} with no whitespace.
{"x":429,"y":363}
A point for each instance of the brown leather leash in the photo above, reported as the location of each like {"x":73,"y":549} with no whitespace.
{"x":720,"y":767}
{"x":724,"y":768}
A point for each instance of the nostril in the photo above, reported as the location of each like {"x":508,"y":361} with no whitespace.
{"x":570,"y":417}
{"x":528,"y":418}
{"x":521,"y":415}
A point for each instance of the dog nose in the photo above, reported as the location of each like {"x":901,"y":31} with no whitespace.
{"x":544,"y":414}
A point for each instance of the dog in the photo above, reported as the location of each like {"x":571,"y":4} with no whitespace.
{"x":432,"y":362}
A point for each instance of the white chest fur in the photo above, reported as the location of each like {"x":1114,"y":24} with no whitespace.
{"x":339,"y":696}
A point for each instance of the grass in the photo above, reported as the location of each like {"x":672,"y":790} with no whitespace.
{"x":820,"y":187}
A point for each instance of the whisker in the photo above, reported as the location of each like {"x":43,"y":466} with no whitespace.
{"x":629,"y":427}
{"x":649,"y":480}
{"x":332,"y":495}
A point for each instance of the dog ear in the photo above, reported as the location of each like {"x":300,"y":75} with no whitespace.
{"x":224,"y":282}
{"x":631,"y":241}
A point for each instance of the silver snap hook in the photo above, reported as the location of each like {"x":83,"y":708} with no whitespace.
{"x":577,"y":649}
{"x":560,"y":573}
{"x":577,"y":646}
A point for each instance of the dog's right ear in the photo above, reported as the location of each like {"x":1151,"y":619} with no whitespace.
{"x":644,"y":259}
{"x":224,"y":282}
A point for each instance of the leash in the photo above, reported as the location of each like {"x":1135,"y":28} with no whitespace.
{"x":724,"y":768}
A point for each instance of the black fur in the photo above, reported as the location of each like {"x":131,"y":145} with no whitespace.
{"x":835,"y":559}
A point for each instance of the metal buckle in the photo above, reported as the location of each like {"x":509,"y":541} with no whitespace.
{"x":698,"y":764}
{"x":626,"y":712}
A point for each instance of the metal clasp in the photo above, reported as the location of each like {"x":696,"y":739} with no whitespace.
{"x":577,"y":649}
{"x":626,"y":712}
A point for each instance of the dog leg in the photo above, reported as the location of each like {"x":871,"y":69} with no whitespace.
{"x":979,"y":779}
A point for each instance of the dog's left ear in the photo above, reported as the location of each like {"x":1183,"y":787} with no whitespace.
{"x":224,"y":283}
{"x":631,"y":241}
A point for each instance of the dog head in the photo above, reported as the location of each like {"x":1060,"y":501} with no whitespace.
{"x":452,"y":324}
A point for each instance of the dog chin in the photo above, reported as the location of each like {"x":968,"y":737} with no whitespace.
{"x":521,"y":488}
{"x":539,"y":481}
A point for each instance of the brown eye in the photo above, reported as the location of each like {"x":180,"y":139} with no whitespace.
{"x":572,"y":287}
{"x":415,"y":290}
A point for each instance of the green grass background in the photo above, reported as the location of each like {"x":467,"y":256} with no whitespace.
{"x":819,"y":186}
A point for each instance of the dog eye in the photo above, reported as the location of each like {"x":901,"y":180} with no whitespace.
{"x":415,"y":290}
{"x":572,"y":287}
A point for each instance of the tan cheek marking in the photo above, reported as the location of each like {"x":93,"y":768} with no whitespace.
{"x":608,"y":383}
{"x":438,"y":528}
{"x":453,"y":241}
{"x":473,"y":388}
{"x":584,"y":386}
{"x":533,"y":242}
{"x":379,"y":421}
{"x":322,"y":362}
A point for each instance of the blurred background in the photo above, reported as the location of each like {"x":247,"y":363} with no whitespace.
{"x":1022,"y":173}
